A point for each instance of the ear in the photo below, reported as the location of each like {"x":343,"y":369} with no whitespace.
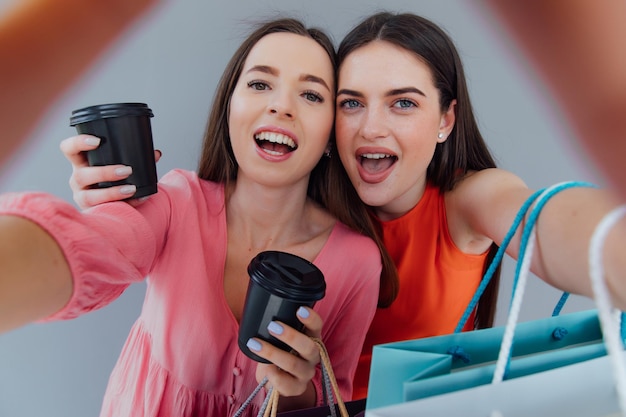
{"x":448,"y":118}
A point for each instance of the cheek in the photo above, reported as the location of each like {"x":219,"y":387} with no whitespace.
{"x":342,"y":136}
{"x":236,"y":110}
{"x":344,"y":129}
{"x":320,"y":125}
{"x":417,"y":149}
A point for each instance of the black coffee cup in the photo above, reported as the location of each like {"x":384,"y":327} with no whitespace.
{"x":280,"y":283}
{"x":125,"y":138}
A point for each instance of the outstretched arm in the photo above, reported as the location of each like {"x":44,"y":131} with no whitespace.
{"x":578,"y":48}
{"x":35,"y":280}
{"x":488,"y":201}
{"x":44,"y":46}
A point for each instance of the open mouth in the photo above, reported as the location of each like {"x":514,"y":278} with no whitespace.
{"x":275,"y":143}
{"x":374,"y":163}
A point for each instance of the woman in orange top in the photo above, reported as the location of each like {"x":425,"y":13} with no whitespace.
{"x":409,"y":141}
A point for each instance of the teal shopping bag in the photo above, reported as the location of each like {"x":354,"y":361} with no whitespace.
{"x":588,"y":388}
{"x":414,"y":369}
{"x":585,"y":389}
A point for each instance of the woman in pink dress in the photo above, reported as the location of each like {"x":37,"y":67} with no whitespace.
{"x":263,"y":184}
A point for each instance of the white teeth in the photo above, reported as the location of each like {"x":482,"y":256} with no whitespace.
{"x":375,"y":155}
{"x":276,"y":138}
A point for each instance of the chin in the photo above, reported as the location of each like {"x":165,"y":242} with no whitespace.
{"x":372,"y":197}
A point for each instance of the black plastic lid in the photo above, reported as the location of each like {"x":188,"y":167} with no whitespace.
{"x":103,"y":111}
{"x":288,"y":276}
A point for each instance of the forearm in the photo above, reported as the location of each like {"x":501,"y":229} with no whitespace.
{"x":35,"y":280}
{"x":44,"y":46}
{"x":577,"y":48}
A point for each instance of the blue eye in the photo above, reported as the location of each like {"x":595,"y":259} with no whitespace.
{"x":349,"y":103}
{"x":404,"y":103}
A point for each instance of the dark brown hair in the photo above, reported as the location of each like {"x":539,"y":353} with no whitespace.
{"x":329,"y":184}
{"x":465,"y":149}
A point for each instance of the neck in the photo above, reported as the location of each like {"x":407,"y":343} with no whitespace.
{"x":264,"y":217}
{"x":401,"y":204}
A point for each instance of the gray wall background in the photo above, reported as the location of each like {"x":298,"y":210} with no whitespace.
{"x":172,"y":61}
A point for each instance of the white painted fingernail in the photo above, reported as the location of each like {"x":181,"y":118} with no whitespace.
{"x":275,"y":328}
{"x":92,"y":141}
{"x":253,"y":345}
{"x":124,"y":171}
{"x":303,"y":312}
{"x":128,"y":189}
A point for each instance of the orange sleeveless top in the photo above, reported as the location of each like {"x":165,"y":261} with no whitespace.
{"x":437,"y":281}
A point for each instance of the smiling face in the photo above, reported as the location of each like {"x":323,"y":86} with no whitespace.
{"x":282,"y":108}
{"x":388,"y":124}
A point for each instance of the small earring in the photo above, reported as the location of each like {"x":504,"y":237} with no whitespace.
{"x":440,"y":135}
{"x":328,"y":150}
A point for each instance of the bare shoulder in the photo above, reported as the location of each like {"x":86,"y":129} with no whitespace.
{"x":481,"y":205}
{"x":486,"y":186}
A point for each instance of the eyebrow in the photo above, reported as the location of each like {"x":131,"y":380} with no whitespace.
{"x":394,"y":92}
{"x":305,"y":77}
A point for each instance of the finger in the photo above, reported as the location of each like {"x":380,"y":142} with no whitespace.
{"x":92,"y":197}
{"x":300,"y":343}
{"x":286,"y":384}
{"x":289,"y":374}
{"x":312,"y":321}
{"x":86,"y":177}
{"x":157,"y":155}
{"x":86,"y":194}
{"x":73,"y":148}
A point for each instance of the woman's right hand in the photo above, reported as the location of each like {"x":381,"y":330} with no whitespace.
{"x":84,"y":177}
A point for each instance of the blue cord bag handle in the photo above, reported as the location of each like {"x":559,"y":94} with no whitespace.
{"x":528,"y":227}
{"x":497,"y":259}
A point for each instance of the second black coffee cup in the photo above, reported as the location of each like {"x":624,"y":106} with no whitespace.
{"x":280,"y":283}
{"x":125,"y":136}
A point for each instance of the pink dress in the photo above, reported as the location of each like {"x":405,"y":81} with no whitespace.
{"x":181,"y":357}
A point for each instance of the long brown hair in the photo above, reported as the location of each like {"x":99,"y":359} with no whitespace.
{"x":329,"y":184}
{"x":465,"y":149}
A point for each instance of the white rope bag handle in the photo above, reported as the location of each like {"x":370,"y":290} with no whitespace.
{"x":516,"y":302}
{"x":608,"y":316}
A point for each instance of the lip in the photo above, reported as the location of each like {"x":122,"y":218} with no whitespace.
{"x":378,"y":177}
{"x":274,"y":129}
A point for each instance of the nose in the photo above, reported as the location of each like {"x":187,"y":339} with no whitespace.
{"x":282,"y":105}
{"x":281,"y":112}
{"x":374,"y":125}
